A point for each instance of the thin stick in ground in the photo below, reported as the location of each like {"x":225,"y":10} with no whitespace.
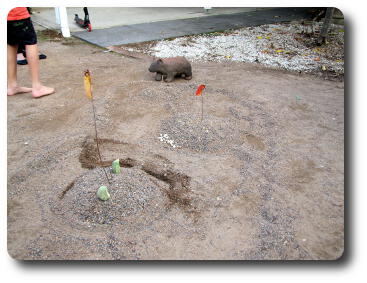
{"x":202,"y":107}
{"x":88,"y":89}
{"x":97,"y":143}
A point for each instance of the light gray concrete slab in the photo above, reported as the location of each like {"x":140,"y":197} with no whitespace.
{"x":175,"y":28}
{"x":106,"y":17}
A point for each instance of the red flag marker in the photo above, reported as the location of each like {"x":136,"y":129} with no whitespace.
{"x":198,"y":93}
{"x":199,"y":90}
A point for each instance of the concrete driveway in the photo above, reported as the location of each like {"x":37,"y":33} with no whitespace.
{"x":107,"y":17}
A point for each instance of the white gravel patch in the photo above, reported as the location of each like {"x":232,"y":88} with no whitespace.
{"x":165,"y":138}
{"x":277,"y":45}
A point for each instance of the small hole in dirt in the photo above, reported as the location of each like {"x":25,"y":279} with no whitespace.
{"x":128,"y":162}
{"x":177,"y":197}
{"x":89,"y":158}
{"x":178,"y":190}
{"x":168,"y":176}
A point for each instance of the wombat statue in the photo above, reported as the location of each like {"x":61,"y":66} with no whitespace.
{"x":169,"y":68}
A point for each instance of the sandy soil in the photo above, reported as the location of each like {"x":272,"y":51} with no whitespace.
{"x":261,"y":177}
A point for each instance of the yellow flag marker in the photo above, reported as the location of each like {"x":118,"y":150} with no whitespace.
{"x":88,"y":84}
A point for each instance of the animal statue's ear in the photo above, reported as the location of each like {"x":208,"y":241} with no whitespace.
{"x":160,"y":61}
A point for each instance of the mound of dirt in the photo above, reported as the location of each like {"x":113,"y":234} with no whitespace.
{"x":132,"y":192}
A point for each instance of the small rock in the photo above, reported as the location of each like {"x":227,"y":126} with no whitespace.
{"x":116,"y":169}
{"x":103,"y":194}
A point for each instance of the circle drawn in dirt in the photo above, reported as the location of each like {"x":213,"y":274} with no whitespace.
{"x":189,"y":132}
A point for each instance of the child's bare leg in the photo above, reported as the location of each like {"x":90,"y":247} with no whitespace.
{"x":38,"y":89}
{"x":13,"y":87}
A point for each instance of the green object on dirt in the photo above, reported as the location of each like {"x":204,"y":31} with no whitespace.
{"x":102,"y":193}
{"x":116,"y":166}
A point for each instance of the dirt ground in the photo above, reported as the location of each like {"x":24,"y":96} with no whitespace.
{"x":261,"y":177}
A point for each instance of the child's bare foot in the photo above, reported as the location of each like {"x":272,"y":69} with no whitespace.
{"x":18,"y":89}
{"x":42,"y":91}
